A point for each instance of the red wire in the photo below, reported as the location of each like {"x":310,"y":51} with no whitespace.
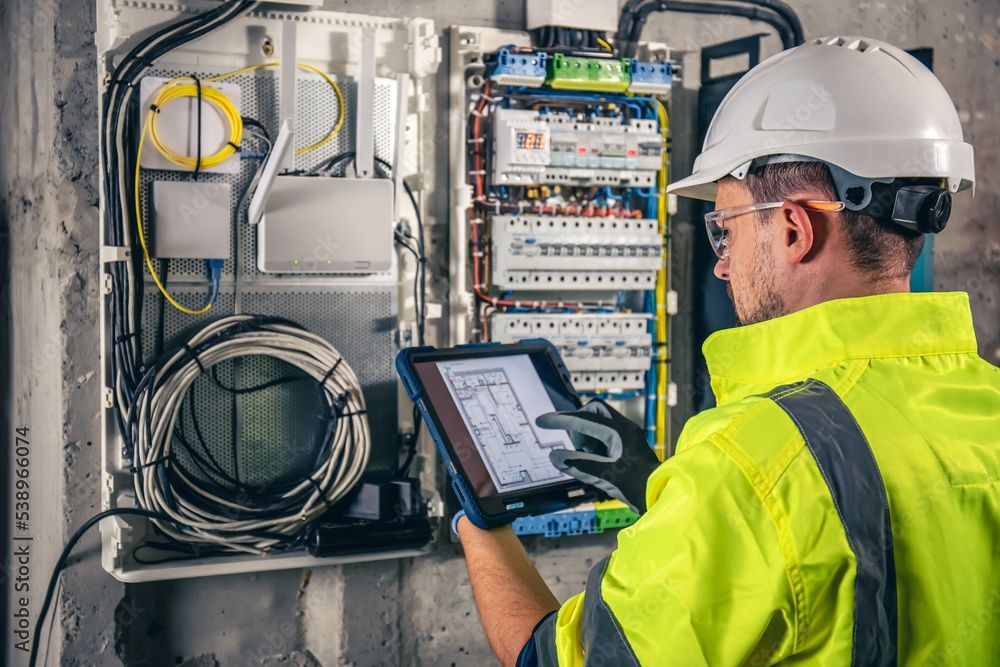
{"x":480,"y":199}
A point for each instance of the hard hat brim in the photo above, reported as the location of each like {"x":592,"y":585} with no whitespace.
{"x":892,"y":158}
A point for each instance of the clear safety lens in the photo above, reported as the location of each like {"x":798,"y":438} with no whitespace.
{"x":715,"y":221}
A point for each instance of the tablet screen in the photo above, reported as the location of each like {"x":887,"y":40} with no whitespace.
{"x":487,"y":407}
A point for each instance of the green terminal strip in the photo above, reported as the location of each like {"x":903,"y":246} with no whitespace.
{"x":594,"y":74}
{"x":615,"y":518}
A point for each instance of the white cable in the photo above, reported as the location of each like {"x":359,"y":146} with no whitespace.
{"x":227,"y":521}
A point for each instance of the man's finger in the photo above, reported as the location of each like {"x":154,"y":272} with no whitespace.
{"x":595,"y":426}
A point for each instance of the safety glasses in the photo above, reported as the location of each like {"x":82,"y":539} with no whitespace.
{"x":715,"y":221}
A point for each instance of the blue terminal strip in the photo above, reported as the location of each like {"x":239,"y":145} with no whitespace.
{"x":519,"y":69}
{"x":577,"y":521}
{"x":650,"y":78}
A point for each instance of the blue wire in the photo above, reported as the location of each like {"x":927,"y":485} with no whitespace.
{"x":214,"y":268}
{"x":584,"y":97}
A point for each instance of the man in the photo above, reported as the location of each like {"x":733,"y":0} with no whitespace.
{"x":841,"y":504}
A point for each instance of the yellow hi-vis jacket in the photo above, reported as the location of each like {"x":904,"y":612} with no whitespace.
{"x":877,"y":545}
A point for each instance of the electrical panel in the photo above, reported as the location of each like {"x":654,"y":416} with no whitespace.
{"x":560,"y":227}
{"x":263,"y":256}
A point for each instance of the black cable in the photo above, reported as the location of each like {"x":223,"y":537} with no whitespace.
{"x":64,"y":556}
{"x":755,"y":13}
{"x":787,"y":13}
{"x":164,"y":275}
{"x":118,"y":120}
{"x":421,"y":262}
{"x":419,"y":300}
{"x":253,"y":122}
{"x":414,"y":439}
{"x":625,"y":22}
{"x":197,"y":160}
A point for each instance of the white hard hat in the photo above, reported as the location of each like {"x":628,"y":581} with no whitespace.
{"x":860,"y":105}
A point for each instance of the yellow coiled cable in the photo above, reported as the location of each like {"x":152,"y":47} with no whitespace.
{"x":172,"y":92}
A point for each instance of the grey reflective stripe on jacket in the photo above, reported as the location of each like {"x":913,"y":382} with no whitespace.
{"x":601,"y":636}
{"x":848,"y":466}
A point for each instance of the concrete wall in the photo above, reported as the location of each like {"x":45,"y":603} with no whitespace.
{"x":415,"y":612}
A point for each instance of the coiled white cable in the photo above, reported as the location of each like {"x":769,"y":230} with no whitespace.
{"x":236,"y":523}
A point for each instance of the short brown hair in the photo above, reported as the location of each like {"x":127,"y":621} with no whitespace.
{"x":879,"y":247}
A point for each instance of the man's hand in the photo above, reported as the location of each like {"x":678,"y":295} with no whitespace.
{"x":611,"y":454}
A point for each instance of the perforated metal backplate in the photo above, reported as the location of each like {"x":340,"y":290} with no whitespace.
{"x":275,"y":428}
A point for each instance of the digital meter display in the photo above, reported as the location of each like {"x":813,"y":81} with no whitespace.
{"x":530,"y":140}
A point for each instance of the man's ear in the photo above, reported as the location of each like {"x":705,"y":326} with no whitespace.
{"x":802,"y":236}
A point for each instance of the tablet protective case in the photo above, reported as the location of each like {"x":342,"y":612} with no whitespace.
{"x":465,"y":494}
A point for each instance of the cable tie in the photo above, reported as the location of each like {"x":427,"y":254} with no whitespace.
{"x":149,"y":464}
{"x":330,"y":372}
{"x":154,"y":108}
{"x":477,"y":140}
{"x":341,"y":402}
{"x":478,"y":172}
{"x":125,"y":337}
{"x":319,"y":490}
{"x":494,"y":301}
{"x":355,"y":413}
{"x":235,"y":147}
{"x":191,"y":353}
{"x":477,"y":221}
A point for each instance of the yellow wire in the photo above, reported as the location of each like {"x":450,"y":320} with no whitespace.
{"x":142,"y":237}
{"x":170,"y":92}
{"x":605,"y":44}
{"x":662,"y":278}
{"x":326,"y":77}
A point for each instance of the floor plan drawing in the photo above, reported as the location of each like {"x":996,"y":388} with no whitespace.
{"x":514,"y":454}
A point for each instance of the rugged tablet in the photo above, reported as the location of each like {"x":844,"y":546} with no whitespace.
{"x":480,"y":403}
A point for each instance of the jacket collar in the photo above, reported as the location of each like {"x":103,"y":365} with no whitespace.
{"x":756,"y":358}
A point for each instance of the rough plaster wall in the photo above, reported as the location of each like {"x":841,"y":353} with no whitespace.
{"x":48,"y":194}
{"x":414,"y":612}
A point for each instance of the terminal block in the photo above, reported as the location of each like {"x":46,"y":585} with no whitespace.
{"x":607,"y":352}
{"x":519,"y":69}
{"x":590,"y":518}
{"x":532,"y":252}
{"x":577,"y":521}
{"x":650,"y":78}
{"x":593,"y":74}
{"x":614,"y":514}
{"x":532,"y":147}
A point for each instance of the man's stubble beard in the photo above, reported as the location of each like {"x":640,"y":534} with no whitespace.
{"x":761,"y":301}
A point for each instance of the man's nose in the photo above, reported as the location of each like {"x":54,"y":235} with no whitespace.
{"x":722,"y":269}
